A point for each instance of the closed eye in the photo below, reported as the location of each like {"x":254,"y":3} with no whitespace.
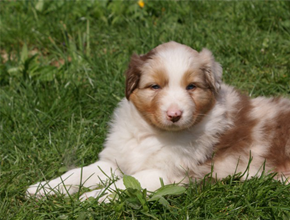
{"x":191,"y":86}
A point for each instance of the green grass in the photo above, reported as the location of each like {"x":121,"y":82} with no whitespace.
{"x":61,"y":76}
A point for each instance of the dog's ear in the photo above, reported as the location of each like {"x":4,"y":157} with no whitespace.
{"x":212,"y":70}
{"x":133,"y":72}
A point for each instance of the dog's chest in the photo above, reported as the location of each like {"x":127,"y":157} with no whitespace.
{"x":171,"y":153}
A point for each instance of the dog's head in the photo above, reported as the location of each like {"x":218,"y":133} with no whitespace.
{"x":173,"y":86}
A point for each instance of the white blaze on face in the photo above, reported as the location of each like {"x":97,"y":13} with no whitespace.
{"x":176,"y":102}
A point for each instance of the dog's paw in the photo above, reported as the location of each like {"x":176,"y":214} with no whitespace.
{"x":43,"y":189}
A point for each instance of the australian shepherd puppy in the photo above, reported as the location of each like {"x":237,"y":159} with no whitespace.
{"x":179,"y":120}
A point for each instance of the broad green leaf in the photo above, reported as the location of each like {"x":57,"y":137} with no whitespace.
{"x":131,"y":182}
{"x":167,"y":190}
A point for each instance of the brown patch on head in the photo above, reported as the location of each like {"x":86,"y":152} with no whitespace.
{"x":159,"y":77}
{"x":146,"y":105}
{"x":203,"y":95}
{"x":193,"y":76}
{"x":238,"y":139}
{"x":133,"y":72}
{"x":145,"y":98}
{"x":205,"y":101}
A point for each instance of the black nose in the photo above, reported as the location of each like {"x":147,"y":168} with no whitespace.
{"x":174,"y":118}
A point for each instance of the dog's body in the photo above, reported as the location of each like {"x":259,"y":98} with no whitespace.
{"x":178,"y":121}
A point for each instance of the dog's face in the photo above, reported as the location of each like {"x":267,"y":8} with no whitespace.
{"x":173,"y":86}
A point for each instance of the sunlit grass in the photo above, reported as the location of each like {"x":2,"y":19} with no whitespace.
{"x":61,"y":76}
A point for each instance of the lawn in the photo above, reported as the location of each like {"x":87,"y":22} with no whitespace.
{"x":62,"y":70}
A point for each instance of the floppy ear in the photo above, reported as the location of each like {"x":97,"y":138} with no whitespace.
{"x":212,"y":70}
{"x":133,"y":74}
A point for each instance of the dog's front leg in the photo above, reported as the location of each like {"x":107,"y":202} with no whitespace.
{"x":90,"y":176}
{"x":149,"y":179}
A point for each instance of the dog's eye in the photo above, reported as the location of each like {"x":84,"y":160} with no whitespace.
{"x":190,"y":87}
{"x":155,"y":87}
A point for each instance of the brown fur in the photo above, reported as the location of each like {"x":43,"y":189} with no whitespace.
{"x":202,"y":95}
{"x":146,"y":106}
{"x":195,"y":77}
{"x":209,"y":79}
{"x":160,"y":77}
{"x":237,"y":139}
{"x":133,"y":72}
{"x":277,"y":132}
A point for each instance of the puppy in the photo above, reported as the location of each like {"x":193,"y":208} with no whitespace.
{"x":179,"y":120}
